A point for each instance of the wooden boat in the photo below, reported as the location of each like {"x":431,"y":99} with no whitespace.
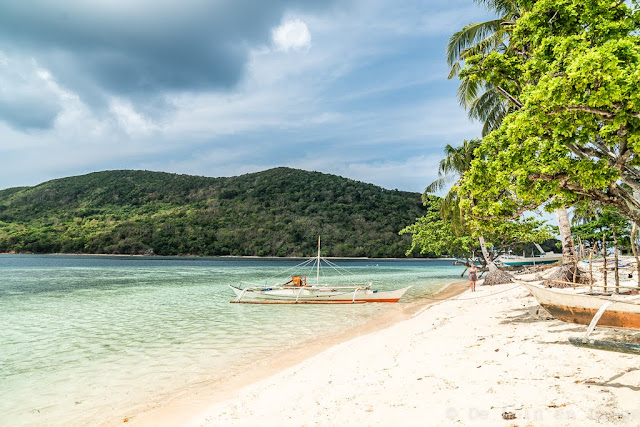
{"x":515,"y":260}
{"x":511,"y":260}
{"x":319,"y":293}
{"x":299,"y":291}
{"x":581,"y":306}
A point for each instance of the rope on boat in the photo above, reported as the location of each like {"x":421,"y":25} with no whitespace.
{"x":282,"y":273}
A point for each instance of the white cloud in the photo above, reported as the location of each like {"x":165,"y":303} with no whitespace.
{"x":293,"y":34}
{"x":130,"y":120}
{"x":362,"y":106}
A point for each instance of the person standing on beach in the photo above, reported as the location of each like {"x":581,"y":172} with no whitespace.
{"x":473,"y":276}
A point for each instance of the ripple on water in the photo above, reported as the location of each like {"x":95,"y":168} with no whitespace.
{"x":89,"y":338}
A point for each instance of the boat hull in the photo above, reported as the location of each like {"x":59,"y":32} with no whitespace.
{"x":516,"y":261}
{"x":570,"y":306}
{"x":311,"y":295}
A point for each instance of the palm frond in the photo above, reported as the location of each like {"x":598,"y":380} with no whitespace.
{"x":493,"y":42}
{"x":494,"y":118}
{"x":467,"y":37}
{"x":439,"y":184}
{"x":468,"y":91}
{"x":500,"y":6}
{"x":490,"y":109}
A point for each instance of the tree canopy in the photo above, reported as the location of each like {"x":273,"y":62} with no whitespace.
{"x":571,"y":76}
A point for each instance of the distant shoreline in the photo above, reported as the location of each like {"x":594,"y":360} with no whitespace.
{"x":220,"y":256}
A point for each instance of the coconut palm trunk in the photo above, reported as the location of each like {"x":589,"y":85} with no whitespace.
{"x":569,"y":271}
{"x":485,"y":253}
{"x":568,"y":246}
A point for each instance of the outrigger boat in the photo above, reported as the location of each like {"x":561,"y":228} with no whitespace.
{"x":581,"y":305}
{"x":511,"y":260}
{"x":299,"y":291}
{"x":585,"y":307}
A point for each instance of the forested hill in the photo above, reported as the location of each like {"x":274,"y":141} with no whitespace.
{"x":280,"y":212}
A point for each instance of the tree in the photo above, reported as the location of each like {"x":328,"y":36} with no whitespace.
{"x":483,"y":100}
{"x":489,"y":101}
{"x":434,"y":235}
{"x":456,"y":162}
{"x":592,"y":222}
{"x":573,"y":74}
{"x":452,"y":227}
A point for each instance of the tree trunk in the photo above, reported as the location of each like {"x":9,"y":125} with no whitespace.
{"x":485,"y":253}
{"x":568,"y":247}
{"x":495,"y":275}
{"x":569,"y":271}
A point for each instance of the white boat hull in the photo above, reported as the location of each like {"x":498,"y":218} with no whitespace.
{"x":576,"y":306}
{"x":514,"y":261}
{"x":317,"y":294}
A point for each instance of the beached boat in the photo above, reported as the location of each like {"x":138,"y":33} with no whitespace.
{"x":515,"y":260}
{"x":511,"y":260}
{"x":298,"y":290}
{"x":582,"y":305}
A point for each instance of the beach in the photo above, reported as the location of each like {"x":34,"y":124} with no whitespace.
{"x":466,"y":360}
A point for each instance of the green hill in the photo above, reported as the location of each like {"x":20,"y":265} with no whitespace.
{"x":280,"y":212}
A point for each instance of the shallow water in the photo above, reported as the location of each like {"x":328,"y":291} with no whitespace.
{"x":85,"y":338}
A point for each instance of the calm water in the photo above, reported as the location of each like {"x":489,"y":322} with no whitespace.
{"x":86,"y":338}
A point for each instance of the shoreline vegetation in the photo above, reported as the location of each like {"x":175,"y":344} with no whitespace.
{"x":187,"y":404}
{"x":278,"y":212}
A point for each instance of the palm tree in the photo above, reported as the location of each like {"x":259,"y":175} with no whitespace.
{"x":456,"y":162}
{"x":483,"y":101}
{"x":490,"y":104}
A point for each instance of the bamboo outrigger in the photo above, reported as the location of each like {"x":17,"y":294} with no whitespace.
{"x":298,"y":290}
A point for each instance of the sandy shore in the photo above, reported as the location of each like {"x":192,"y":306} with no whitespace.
{"x":180,"y":408}
{"x":464,"y":361}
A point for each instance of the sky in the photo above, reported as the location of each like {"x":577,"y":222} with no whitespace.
{"x":356,"y":88}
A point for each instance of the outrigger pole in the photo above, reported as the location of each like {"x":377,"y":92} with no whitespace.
{"x":318,"y":267}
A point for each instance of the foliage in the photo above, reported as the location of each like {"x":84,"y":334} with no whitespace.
{"x":276,"y":212}
{"x":590,"y":226}
{"x":435,"y":236}
{"x":571,"y":76}
{"x":483,"y":101}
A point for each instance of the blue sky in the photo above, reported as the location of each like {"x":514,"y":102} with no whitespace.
{"x":356,"y":88}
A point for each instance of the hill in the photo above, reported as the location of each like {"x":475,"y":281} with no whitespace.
{"x":276,"y":212}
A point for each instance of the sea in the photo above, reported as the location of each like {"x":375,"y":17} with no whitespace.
{"x":85,"y":338}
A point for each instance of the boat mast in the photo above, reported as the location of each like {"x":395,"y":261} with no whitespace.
{"x":318,"y":267}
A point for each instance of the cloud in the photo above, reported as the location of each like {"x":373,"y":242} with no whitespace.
{"x":145,"y":48}
{"x":292,"y":34}
{"x":222,"y":88}
{"x":27,"y":100}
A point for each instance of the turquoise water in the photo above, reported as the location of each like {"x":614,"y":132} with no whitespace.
{"x":87,"y":338}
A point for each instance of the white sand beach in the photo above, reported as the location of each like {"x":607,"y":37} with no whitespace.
{"x":463,"y":361}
